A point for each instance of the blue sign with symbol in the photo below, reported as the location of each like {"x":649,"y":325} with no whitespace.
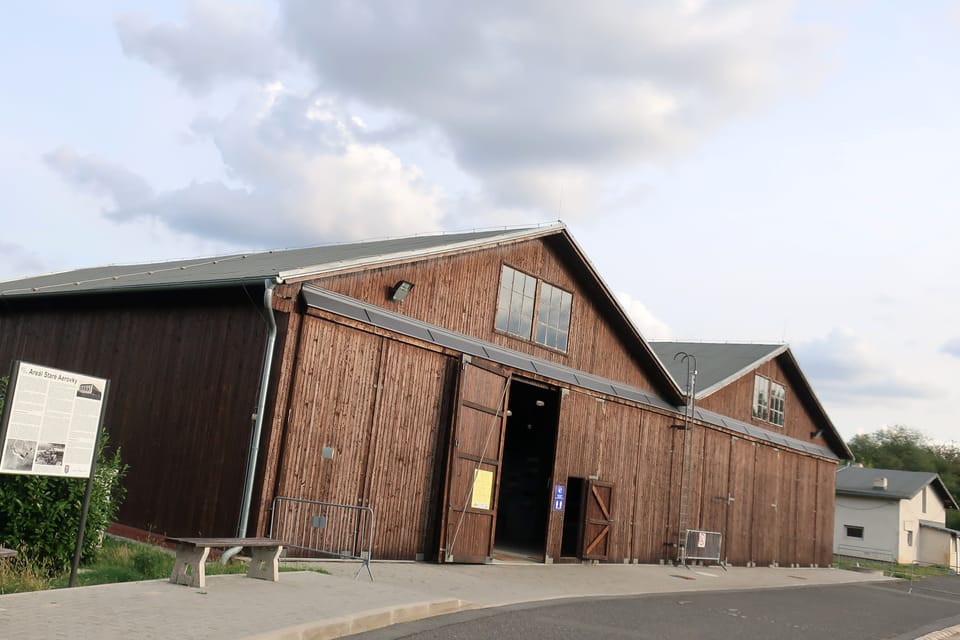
{"x":559,"y":496}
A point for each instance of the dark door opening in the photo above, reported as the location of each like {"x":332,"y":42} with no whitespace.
{"x":525,"y":478}
{"x":571,"y":544}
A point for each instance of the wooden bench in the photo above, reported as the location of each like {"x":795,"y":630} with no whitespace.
{"x":188,"y":568}
{"x":7,"y":553}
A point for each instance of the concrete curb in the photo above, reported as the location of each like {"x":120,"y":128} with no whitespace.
{"x":943,"y":634}
{"x":367,"y":620}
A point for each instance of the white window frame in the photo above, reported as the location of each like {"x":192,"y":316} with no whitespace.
{"x":554,"y":306}
{"x":516,"y":302}
{"x":533,"y":309}
{"x":765,"y":406}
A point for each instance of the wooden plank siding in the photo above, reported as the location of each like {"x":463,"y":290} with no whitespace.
{"x":184,"y":375}
{"x":460,"y":292}
{"x":739,"y":535}
{"x":824,"y":509}
{"x":736,"y":401}
{"x":382,"y":405}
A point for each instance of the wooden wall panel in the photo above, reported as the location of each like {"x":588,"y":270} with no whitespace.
{"x":331,"y":405}
{"x":739,"y":533}
{"x":407,"y":450}
{"x":766,"y":518}
{"x":184,"y":370}
{"x":715,"y":479}
{"x":806,"y":511}
{"x":787,"y":509}
{"x":460,"y":293}
{"x":618,"y":464}
{"x":736,"y":401}
{"x":826,"y":492}
{"x":384,"y":406}
{"x":654,"y":484}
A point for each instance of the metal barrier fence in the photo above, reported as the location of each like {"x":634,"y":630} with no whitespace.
{"x":703,"y":545}
{"x":325,"y":529}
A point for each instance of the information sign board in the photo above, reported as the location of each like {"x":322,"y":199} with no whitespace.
{"x":50,"y":422}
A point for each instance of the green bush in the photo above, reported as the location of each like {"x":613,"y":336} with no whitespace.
{"x":40,"y":515}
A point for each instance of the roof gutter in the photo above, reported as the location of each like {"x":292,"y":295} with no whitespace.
{"x":268,"y":285}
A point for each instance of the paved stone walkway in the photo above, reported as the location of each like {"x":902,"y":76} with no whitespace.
{"x":313,"y":605}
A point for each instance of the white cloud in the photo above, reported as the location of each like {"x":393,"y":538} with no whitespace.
{"x":843,"y":367}
{"x":651,"y":327}
{"x":297,"y":175}
{"x":216,"y":42}
{"x":531,"y":97}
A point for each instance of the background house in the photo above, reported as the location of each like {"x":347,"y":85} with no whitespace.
{"x":894,"y":516}
{"x":462,"y":382}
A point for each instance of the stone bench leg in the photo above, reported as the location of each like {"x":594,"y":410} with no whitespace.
{"x":192,"y":558}
{"x":265,"y":563}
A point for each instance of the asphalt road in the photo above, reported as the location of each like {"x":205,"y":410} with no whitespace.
{"x":896,"y":610}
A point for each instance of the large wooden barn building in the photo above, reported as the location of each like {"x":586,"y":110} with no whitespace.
{"x":456,"y":384}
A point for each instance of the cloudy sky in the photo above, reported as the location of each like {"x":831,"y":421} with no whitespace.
{"x":761,"y":171}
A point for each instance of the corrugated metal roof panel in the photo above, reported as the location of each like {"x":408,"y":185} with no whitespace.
{"x":289,"y":264}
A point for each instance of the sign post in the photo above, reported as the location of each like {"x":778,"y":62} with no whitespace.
{"x":51,"y":426}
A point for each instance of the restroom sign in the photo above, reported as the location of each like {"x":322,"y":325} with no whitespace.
{"x":559,"y":497}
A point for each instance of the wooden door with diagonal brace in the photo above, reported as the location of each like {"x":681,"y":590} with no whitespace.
{"x":598,"y":520}
{"x":473,"y":466}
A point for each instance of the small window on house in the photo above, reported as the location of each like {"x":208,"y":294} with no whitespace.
{"x":923,"y":500}
{"x":553,"y":317}
{"x":515,"y":304}
{"x":778,"y":399}
{"x":854,"y":532}
{"x":909,"y":538}
{"x":761,"y":397}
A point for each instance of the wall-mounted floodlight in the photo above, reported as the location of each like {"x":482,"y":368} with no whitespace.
{"x":400,"y":291}
{"x":816,"y":434}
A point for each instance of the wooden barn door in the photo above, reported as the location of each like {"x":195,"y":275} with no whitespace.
{"x":598,"y":521}
{"x":473,"y":468}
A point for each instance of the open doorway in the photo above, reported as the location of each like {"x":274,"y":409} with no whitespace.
{"x":525,"y":495}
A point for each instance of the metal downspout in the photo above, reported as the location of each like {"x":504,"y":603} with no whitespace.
{"x":268,"y":286}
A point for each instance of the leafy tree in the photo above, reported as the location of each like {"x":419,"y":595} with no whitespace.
{"x":40,"y":515}
{"x":907,"y":449}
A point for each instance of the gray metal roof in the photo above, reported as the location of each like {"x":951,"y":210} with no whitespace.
{"x":281,"y":265}
{"x":379,"y":317}
{"x":718,"y":364}
{"x":901,"y":485}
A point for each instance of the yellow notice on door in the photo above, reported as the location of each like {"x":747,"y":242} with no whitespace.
{"x":482,"y":489}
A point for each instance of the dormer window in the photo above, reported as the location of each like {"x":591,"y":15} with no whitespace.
{"x":522,"y":297}
{"x":769,"y":400}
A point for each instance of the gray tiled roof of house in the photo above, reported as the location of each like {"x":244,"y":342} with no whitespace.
{"x":900,"y":485}
{"x":256,"y":266}
{"x":717,"y":363}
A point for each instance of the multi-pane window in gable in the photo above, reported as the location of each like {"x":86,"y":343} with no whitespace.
{"x":553,"y":317}
{"x":769,"y":400}
{"x":516,"y":301}
{"x":523,"y":297}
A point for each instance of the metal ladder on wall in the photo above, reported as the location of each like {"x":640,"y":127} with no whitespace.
{"x":686,"y":460}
